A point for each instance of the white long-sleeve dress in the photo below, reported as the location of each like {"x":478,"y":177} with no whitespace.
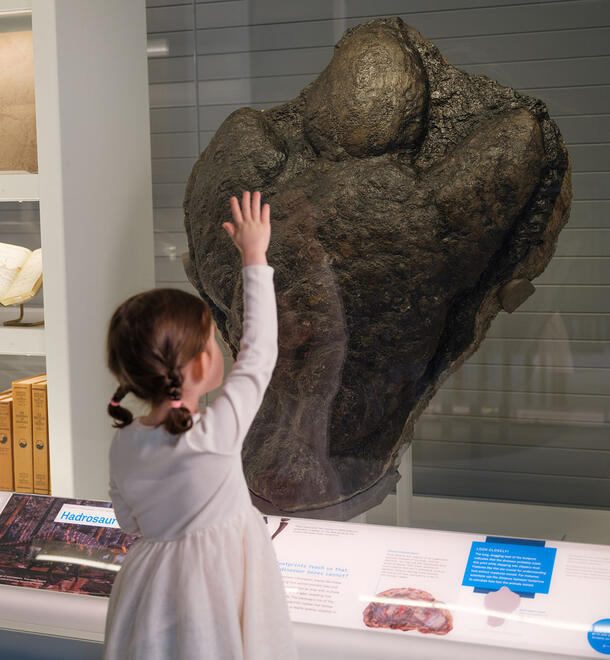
{"x":203,"y":581}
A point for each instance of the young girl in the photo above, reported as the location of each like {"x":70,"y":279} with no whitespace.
{"x":203,"y":580}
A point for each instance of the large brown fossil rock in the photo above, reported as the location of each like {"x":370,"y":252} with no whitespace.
{"x":408,"y":199}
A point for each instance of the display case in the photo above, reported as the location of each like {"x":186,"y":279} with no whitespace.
{"x":511,"y":448}
{"x":519,"y":432}
{"x":85,"y":201}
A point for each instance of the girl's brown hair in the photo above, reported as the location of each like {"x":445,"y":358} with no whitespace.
{"x":151,"y":338}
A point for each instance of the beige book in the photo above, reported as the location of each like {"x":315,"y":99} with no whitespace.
{"x":20,"y":273}
{"x":23,"y":455}
{"x":6,"y":441}
{"x":40,"y":438}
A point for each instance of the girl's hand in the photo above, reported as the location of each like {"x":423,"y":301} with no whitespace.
{"x":250,"y":229}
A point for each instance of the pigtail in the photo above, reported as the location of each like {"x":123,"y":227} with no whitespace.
{"x":178,"y":419}
{"x":122,"y":417}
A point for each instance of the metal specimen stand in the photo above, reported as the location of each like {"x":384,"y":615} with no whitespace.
{"x":404,"y":490}
{"x":20,"y":323}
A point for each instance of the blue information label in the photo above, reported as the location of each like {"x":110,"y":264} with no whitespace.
{"x":599,"y":636}
{"x":524,"y":569}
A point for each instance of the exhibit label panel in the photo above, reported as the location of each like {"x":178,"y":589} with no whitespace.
{"x":60,"y":544}
{"x":516,"y":593}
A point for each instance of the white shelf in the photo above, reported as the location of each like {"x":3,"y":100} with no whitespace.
{"x":21,"y":341}
{"x":19,"y":188}
{"x":13,"y":6}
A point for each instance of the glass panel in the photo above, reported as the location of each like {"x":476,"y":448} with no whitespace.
{"x":526,"y":418}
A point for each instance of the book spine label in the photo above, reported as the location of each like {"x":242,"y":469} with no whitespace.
{"x":40,"y":439}
{"x":6,"y":446}
{"x":22,"y":438}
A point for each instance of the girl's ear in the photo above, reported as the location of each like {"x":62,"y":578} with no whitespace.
{"x":198,"y":367}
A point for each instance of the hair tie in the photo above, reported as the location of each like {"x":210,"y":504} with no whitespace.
{"x":177,"y":403}
{"x":114,"y":403}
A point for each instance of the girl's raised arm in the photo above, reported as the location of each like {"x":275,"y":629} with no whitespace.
{"x":226,"y":421}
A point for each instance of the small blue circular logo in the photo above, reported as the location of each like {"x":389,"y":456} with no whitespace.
{"x":599,"y":636}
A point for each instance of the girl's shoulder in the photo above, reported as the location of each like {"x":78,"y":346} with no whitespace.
{"x":126,"y":436}
{"x":137,"y":433}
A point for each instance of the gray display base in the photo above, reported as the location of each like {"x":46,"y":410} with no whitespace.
{"x":29,"y":646}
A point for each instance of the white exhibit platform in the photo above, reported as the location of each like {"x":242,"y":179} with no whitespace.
{"x":81,"y":618}
{"x":359,"y":591}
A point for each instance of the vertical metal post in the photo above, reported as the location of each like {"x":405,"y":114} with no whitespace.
{"x":404,"y":490}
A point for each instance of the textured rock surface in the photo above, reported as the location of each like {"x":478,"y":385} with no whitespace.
{"x":405,"y":195}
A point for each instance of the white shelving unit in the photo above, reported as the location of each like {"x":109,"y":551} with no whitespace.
{"x":95,"y":193}
{"x":19,"y":188}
